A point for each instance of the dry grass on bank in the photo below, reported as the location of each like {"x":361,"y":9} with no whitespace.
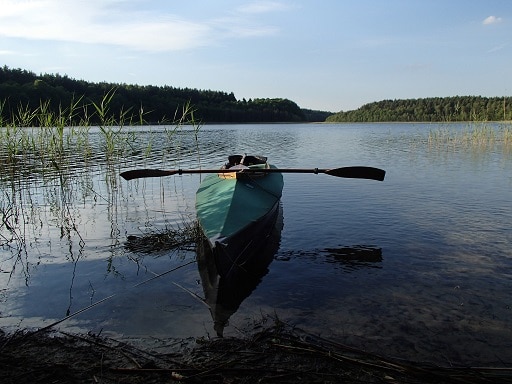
{"x":277,"y":354}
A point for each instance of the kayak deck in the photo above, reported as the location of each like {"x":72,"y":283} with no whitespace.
{"x":225,"y":206}
{"x":236,"y":214}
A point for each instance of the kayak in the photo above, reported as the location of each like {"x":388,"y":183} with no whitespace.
{"x":236,"y":204}
{"x":236,"y":210}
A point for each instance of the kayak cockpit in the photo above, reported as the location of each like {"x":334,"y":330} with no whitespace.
{"x":241,"y":162}
{"x":246,"y":160}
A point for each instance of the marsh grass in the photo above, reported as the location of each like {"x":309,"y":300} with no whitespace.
{"x":478,"y":135}
{"x":44,"y":137}
{"x":116,"y":137}
{"x":507,"y":136}
{"x":48,"y":163}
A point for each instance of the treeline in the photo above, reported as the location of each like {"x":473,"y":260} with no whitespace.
{"x":433,"y":109}
{"x":22,"y":90}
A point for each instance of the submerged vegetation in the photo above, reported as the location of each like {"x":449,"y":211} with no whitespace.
{"x":166,"y":239}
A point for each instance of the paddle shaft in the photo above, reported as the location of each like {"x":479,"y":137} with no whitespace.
{"x":349,"y":172}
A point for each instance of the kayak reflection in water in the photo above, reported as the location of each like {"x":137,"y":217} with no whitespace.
{"x":224,"y":294}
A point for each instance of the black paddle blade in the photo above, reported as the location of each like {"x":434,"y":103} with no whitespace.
{"x":358,"y":173}
{"x":139,"y":173}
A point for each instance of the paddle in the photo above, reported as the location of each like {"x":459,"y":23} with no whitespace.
{"x":349,"y":172}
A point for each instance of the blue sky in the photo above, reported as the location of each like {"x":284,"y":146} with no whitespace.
{"x":329,"y":55}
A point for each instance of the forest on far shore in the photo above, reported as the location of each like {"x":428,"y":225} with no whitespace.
{"x":433,"y":109}
{"x":22,"y":90}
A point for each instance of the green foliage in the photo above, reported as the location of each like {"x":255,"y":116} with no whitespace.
{"x":313,"y":115}
{"x":156,"y":104}
{"x":436,"y":109}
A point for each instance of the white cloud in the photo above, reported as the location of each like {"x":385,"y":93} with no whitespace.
{"x":497,"y":48}
{"x":263,"y":7}
{"x":492,"y":20}
{"x":120,"y":23}
{"x":96,"y":21}
{"x":236,"y":27}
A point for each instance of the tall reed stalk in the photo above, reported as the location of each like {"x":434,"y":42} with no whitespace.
{"x":48,"y":162}
{"x":115,"y":137}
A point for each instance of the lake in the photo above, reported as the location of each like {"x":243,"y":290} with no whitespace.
{"x":418,"y":266}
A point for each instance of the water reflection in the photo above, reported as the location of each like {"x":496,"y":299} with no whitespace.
{"x":354,"y":257}
{"x":442,"y":219}
{"x":224,"y":295}
{"x":347,"y":258}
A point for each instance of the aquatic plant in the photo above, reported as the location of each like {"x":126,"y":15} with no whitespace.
{"x":50,"y":170}
{"x":112,"y":127}
{"x":170,"y":238}
{"x":39,"y":136}
{"x":475,"y":135}
{"x":506,"y":133}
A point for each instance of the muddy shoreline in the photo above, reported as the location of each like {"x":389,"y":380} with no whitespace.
{"x":274,"y":354}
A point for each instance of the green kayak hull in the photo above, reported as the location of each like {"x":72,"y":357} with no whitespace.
{"x":237,"y":214}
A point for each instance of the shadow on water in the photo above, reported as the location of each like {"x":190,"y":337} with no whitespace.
{"x":224,"y":295}
{"x":354,"y":257}
{"x":347,"y":258}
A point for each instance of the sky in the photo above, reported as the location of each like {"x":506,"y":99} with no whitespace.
{"x":330,"y":55}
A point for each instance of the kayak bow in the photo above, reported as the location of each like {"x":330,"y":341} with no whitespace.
{"x":236,"y":214}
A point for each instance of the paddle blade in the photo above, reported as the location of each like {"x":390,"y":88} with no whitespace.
{"x":358,"y":173}
{"x":139,"y":173}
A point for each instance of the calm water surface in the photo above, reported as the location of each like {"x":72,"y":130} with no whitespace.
{"x":418,"y":266}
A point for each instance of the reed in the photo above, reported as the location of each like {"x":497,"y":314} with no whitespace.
{"x":115,"y":139}
{"x":506,"y":132}
{"x":480,"y":135}
{"x":43,"y":136}
{"x":39,"y":135}
{"x":50,"y":167}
